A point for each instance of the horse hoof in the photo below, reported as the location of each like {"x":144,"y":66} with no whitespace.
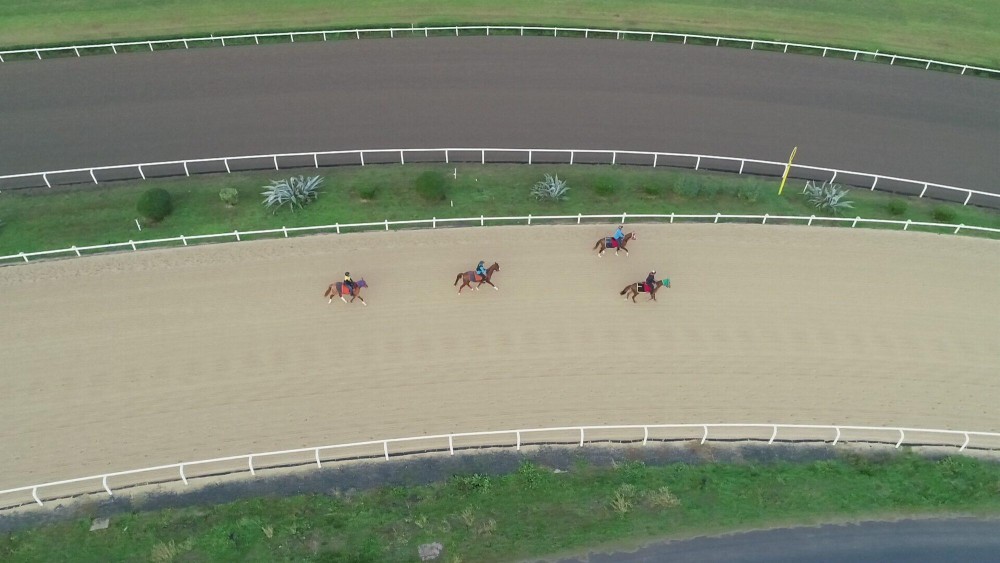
{"x":330,"y":301}
{"x":344,"y":300}
{"x":496,"y":288}
{"x":363,"y":303}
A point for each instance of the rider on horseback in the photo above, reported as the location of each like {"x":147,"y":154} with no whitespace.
{"x":349,"y":283}
{"x":481,"y":269}
{"x":619,"y":235}
{"x":651,"y":280}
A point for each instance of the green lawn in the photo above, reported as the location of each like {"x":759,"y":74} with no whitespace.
{"x":965,"y":31}
{"x":46,"y":219}
{"x":532,"y":512}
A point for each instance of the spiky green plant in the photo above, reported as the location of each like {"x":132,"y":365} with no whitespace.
{"x":550,"y":189}
{"x":297,"y":191}
{"x":827,"y":196}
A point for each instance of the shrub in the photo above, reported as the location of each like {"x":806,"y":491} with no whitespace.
{"x":897,"y":207}
{"x":155,"y":204}
{"x":550,"y":189}
{"x":944,"y":214}
{"x":605,"y":186}
{"x":652,"y":190}
{"x":749,"y":193}
{"x":471,"y":483}
{"x":662,"y":498}
{"x":827,"y":196}
{"x":687,"y":186}
{"x":295,"y":191}
{"x":229,"y":196}
{"x":368,"y":193}
{"x":431,"y":186}
{"x":623,"y":498}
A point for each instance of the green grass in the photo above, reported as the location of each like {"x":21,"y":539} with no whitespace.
{"x":532,"y":512}
{"x":965,"y":31}
{"x":45,"y":219}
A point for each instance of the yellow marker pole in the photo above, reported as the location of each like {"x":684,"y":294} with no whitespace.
{"x":787,"y":168}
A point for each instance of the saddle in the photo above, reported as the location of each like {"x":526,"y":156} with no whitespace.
{"x":474,"y":277}
{"x":344,"y":288}
{"x":610,"y":242}
{"x":643,"y":287}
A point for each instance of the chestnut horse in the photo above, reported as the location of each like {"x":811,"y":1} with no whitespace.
{"x":609,"y":242}
{"x":634,"y":289}
{"x":338,"y":289}
{"x":468,"y":278}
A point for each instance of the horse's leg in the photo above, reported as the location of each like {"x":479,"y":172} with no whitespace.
{"x":491,"y":283}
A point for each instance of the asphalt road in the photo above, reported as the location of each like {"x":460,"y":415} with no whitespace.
{"x":955,"y":540}
{"x":506,"y":92}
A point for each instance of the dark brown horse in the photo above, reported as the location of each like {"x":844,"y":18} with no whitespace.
{"x":634,"y":289}
{"x":468,"y":278}
{"x":338,"y":289}
{"x":609,"y":242}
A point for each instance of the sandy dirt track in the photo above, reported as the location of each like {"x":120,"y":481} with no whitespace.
{"x":123,"y":361}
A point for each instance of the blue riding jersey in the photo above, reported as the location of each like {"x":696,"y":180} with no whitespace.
{"x":619,"y":235}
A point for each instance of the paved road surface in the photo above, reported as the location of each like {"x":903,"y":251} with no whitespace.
{"x":514,"y":92}
{"x":955,"y":540}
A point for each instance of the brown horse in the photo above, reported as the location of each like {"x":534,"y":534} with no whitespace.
{"x":338,"y":289}
{"x":468,"y":278}
{"x":634,"y":289}
{"x":609,"y":242}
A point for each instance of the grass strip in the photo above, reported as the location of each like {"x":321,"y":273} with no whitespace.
{"x":961,"y":32}
{"x":46,"y":219}
{"x":532,"y":512}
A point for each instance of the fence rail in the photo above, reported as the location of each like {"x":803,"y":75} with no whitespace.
{"x":577,"y":435}
{"x":731,"y":164}
{"x":456,"y":30}
{"x":482,"y":220}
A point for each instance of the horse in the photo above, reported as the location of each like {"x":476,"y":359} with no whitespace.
{"x":640,"y":287}
{"x":467,"y":278}
{"x":338,"y":289}
{"x":609,"y":242}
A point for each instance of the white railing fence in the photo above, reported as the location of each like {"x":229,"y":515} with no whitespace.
{"x":575,"y":435}
{"x":364,"y":157}
{"x":457,"y":30}
{"x":483,"y":220}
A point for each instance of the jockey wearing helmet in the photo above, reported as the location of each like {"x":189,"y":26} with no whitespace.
{"x":481,"y":269}
{"x":349,"y":282}
{"x":619,"y":235}
{"x":651,"y":279}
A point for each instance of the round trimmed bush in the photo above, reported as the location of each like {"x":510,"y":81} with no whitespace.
{"x":897,"y":207}
{"x":155,"y":204}
{"x":431,"y":186}
{"x":944,"y":214}
{"x":229,"y":196}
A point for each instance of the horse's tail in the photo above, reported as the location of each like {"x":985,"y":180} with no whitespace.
{"x":624,"y":291}
{"x":598,"y":245}
{"x":457,"y":279}
{"x":329,"y":291}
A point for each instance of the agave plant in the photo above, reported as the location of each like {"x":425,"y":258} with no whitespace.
{"x":550,"y":189}
{"x":295,"y":191}
{"x":827,"y":196}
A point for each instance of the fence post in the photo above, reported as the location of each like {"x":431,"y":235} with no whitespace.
{"x":276,"y":162}
{"x":104,"y":482}
{"x":316,"y":159}
{"x":74,"y":249}
{"x":318,"y":464}
{"x":923,"y":191}
{"x":186,"y":171}
{"x":401,"y":160}
{"x":901,"y":436}
{"x":24,"y":256}
{"x":39,"y":53}
{"x":697,"y":163}
{"x":237,"y":233}
{"x":184,"y":240}
{"x":579,"y":216}
{"x":46,"y":178}
{"x":855,"y":223}
{"x":92,"y":177}
{"x":811,"y":217}
{"x":623,"y":217}
{"x":34,"y":495}
{"x":482,"y":221}
{"x":385,"y":448}
{"x":671,"y":217}
{"x":581,"y":437}
{"x":957,"y":229}
{"x":250,"y":463}
{"x":362,"y":155}
{"x":150,"y":45}
{"x":529,"y":156}
{"x":705,"y":435}
{"x":387,"y":224}
{"x":130,"y":242}
{"x":645,"y":435}
{"x":773,"y":434}
{"x":717,"y":215}
{"x":284,"y":230}
{"x":183,"y":478}
{"x":446,"y":161}
{"x":907,"y":225}
{"x":451,"y":443}
{"x":571,"y":154}
{"x":765,"y":220}
{"x":77,"y":51}
{"x":837,"y":439}
{"x":967,"y":198}
{"x":141,"y":173}
{"x":614,"y":157}
{"x":434,"y":222}
{"x":529,"y":218}
{"x":518,"y":440}
{"x":966,"y":443}
{"x":874,"y":183}
{"x":484,"y":157}
{"x":656,"y":157}
{"x":742,"y":163}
